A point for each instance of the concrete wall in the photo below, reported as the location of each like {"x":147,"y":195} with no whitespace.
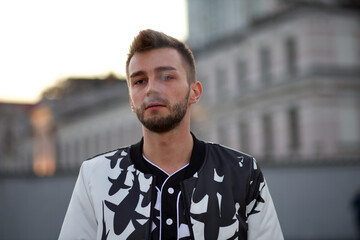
{"x":312,"y":203}
{"x":315,"y":202}
{"x":33,"y":208}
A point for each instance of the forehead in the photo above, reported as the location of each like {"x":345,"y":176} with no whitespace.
{"x":150,"y":60}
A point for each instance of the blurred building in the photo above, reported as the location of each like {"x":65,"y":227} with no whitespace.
{"x":90,"y":116}
{"x":16,"y":145}
{"x":75,"y":120}
{"x":281,"y":81}
{"x":281,"y":78}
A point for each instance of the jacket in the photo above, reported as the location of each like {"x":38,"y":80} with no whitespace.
{"x":226,"y":198}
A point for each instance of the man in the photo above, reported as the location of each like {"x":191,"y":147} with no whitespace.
{"x":170,"y":185}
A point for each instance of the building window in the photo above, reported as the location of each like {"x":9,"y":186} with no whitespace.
{"x":349,"y":126}
{"x":120,"y":136}
{"x":222,"y":134}
{"x":58,"y":152}
{"x":97,"y":145}
{"x":76,"y":156}
{"x":66,"y":155}
{"x":265,"y":65}
{"x":291,"y":56}
{"x":8,"y":138}
{"x":108,"y":140}
{"x":242,"y":75}
{"x":294,"y":130}
{"x":221,"y":83}
{"x":268,"y":135}
{"x":254,"y":8}
{"x":244,"y":137}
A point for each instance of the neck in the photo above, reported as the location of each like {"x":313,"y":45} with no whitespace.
{"x":170,"y":151}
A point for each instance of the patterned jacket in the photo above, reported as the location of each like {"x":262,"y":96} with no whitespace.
{"x":226,"y":198}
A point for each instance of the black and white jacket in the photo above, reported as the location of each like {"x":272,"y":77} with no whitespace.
{"x":224,"y":196}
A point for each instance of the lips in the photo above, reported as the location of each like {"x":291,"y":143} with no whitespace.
{"x":154,"y":105}
{"x":154,"y":102}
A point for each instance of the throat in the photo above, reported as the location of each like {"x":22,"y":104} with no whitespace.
{"x":169,"y":169}
{"x":168,"y":154}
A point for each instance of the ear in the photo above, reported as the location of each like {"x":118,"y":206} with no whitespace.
{"x":196,"y":91}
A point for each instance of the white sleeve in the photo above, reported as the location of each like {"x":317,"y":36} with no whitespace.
{"x":80,"y":221}
{"x":263,"y":223}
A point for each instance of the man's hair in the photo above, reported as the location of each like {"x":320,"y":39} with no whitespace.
{"x":149,"y":39}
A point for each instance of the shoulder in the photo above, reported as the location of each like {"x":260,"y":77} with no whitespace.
{"x":223,"y":155}
{"x":107,"y":159}
{"x":224,"y":152}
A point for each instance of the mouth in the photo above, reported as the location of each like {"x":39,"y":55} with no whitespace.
{"x":154,"y":106}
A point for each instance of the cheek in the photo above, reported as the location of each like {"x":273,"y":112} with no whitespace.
{"x":133,"y":103}
{"x":134,"y":96}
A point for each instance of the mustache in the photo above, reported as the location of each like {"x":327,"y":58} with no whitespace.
{"x":154,"y":99}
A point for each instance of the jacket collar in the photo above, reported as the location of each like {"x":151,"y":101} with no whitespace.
{"x":196,"y":160}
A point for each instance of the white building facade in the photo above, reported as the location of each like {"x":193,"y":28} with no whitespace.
{"x":92,"y":121}
{"x":281,"y":78}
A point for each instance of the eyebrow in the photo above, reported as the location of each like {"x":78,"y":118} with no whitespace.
{"x":165,"y":68}
{"x":158,"y":69}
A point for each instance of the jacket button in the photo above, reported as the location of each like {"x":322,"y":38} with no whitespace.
{"x":171,"y":190}
{"x":169,"y":221}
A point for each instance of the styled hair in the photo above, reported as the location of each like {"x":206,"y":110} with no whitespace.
{"x":149,"y":39}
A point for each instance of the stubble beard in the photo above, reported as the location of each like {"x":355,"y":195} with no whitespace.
{"x":162,"y":124}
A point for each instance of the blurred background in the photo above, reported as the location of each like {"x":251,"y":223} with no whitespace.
{"x":281,"y":81}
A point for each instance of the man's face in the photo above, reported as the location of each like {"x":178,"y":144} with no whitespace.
{"x":158,"y":88}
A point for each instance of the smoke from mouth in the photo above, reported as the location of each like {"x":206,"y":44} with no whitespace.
{"x":154,"y":99}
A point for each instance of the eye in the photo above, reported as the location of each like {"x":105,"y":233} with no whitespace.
{"x":167,"y":77}
{"x":139,"y":81}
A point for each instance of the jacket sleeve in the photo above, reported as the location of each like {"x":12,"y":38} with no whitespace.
{"x":263,"y":223}
{"x":80,"y":221}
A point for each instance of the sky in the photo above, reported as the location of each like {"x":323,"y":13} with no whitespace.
{"x":43,"y":42}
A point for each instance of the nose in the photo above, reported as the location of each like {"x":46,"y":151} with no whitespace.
{"x":153,"y":86}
